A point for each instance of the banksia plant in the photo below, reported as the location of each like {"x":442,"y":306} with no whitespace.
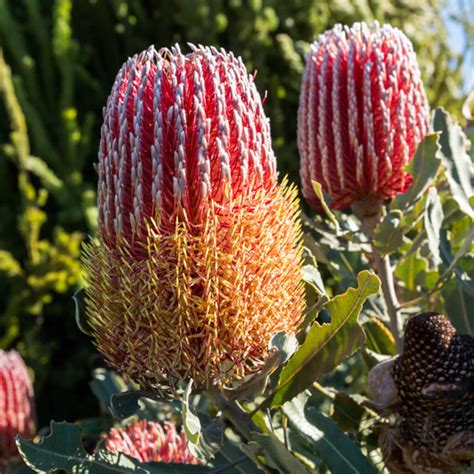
{"x":17,"y":411}
{"x":434,"y":379}
{"x":198,"y":258}
{"x":362,"y":113}
{"x":149,"y":441}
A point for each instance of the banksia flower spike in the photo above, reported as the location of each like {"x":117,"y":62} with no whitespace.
{"x":17,"y":412}
{"x":434,"y":379}
{"x":362,"y":113}
{"x":148,"y":441}
{"x":198,"y":257}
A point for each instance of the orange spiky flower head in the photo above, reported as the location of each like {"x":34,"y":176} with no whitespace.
{"x":17,"y":407}
{"x":362,"y":113}
{"x":197,"y":263}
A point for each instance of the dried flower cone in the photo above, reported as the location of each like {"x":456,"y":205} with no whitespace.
{"x":362,"y":113}
{"x":17,"y":411}
{"x":434,"y":376}
{"x":198,"y":260}
{"x":149,"y":441}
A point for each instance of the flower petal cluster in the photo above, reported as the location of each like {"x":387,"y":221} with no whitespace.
{"x":362,"y":113}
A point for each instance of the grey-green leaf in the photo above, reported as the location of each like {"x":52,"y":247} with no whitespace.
{"x":336,"y":449}
{"x":433,"y":220}
{"x":63,"y":449}
{"x":456,"y":161}
{"x":389,"y":233}
{"x":423,"y":169}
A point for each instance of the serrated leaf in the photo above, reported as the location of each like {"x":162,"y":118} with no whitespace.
{"x":433,"y":220}
{"x":63,"y":449}
{"x":456,"y":161}
{"x":379,"y":338}
{"x":327,"y":345}
{"x":335,"y":448}
{"x":389,"y":233}
{"x":423,"y":169}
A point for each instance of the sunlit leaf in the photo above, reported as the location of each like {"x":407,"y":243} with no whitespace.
{"x":327,"y":345}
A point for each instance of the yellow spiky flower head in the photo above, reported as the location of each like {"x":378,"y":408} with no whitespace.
{"x":198,"y":259}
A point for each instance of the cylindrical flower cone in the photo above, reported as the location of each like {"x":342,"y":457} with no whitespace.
{"x":198,"y":259}
{"x":149,"y":441}
{"x":362,"y":113}
{"x":17,"y":408}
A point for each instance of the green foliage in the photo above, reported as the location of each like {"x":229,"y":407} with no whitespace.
{"x":327,"y":345}
{"x":63,"y":449}
{"x":63,"y":56}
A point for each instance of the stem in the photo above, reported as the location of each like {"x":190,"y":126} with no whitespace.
{"x":234,"y":413}
{"x":384,"y":272}
{"x":370,"y":213}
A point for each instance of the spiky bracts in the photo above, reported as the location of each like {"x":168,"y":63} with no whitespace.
{"x":198,"y":260}
{"x":434,"y":378}
{"x":149,"y":441}
{"x":17,"y":412}
{"x":362,"y":113}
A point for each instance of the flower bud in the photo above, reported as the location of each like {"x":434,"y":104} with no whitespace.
{"x":17,"y":411}
{"x":362,"y":113}
{"x":148,"y":441}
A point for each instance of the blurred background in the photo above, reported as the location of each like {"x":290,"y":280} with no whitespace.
{"x":58,"y":60}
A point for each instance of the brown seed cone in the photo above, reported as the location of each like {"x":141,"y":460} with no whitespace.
{"x":434,"y":376}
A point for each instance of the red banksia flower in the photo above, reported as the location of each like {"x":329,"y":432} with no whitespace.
{"x":17,"y":412}
{"x":148,"y":441}
{"x":198,"y":258}
{"x":362,"y":113}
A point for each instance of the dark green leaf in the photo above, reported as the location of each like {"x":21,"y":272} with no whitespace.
{"x":347,"y":412}
{"x":126,"y":404}
{"x":459,"y":307}
{"x":283,"y":460}
{"x":379,"y":337}
{"x":456,"y":161}
{"x":327,"y":345}
{"x":423,"y":169}
{"x":335,"y":448}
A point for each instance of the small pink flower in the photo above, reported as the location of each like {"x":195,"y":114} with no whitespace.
{"x":149,"y":441}
{"x":17,"y":411}
{"x":363,"y":111}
